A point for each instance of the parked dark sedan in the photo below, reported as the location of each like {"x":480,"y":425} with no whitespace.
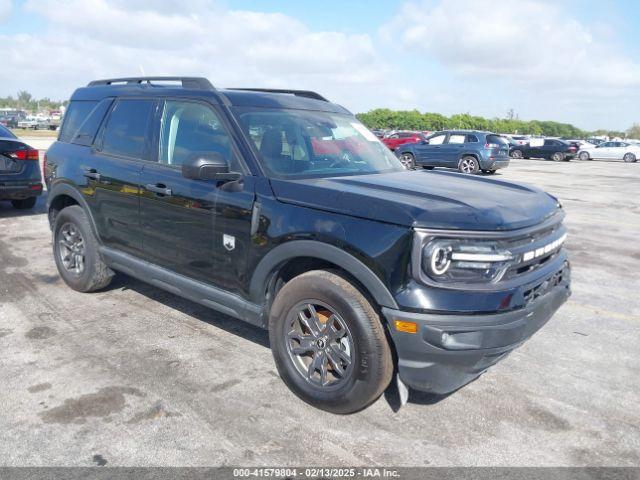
{"x":550,"y":148}
{"x":20,"y":178}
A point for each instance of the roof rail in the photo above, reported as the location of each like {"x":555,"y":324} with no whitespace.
{"x":297,"y":93}
{"x":196,"y":83}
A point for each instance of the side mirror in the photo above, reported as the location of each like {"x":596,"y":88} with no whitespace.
{"x":424,"y":142}
{"x":208,"y":166}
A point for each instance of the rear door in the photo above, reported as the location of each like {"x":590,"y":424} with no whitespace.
{"x":452,"y":149}
{"x":113,"y":174}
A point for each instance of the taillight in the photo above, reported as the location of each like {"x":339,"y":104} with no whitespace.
{"x":572,"y":148}
{"x":29,"y":154}
{"x":491,"y":145}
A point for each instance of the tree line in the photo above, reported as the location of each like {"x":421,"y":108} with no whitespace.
{"x":384,"y":118}
{"x":25,"y":101}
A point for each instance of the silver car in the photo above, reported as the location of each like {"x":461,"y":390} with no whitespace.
{"x":629,"y":152}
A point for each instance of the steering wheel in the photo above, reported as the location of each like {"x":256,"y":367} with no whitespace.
{"x":344,"y":159}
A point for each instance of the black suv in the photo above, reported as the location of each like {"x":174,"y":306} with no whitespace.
{"x":277,"y":207}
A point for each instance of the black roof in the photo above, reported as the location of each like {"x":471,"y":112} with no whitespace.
{"x":202,"y":88}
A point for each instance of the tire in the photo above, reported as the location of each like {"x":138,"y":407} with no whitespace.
{"x":408,"y":160}
{"x":629,"y":158}
{"x":370,"y":367}
{"x":584,"y":156}
{"x":557,"y":157}
{"x":469,"y":164}
{"x":73,"y":239}
{"x":517,"y":154}
{"x":427,"y":167}
{"x":489,"y":172}
{"x":24,"y":204}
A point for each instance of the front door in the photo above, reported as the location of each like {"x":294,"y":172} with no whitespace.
{"x":197,"y":228}
{"x":431,"y":153}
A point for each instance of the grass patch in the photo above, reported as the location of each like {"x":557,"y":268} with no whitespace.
{"x":26,"y":132}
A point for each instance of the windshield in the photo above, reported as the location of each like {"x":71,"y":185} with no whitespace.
{"x":303,"y":144}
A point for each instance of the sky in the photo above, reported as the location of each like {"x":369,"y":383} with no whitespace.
{"x":574,"y":61}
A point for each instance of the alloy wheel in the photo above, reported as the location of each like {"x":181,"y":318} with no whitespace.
{"x":71,"y":248}
{"x":468,"y":165}
{"x":320,"y":345}
{"x":629,"y":157}
{"x":407,"y":160}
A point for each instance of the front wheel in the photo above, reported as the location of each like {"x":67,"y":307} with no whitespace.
{"x":469,"y":165}
{"x":629,"y":158}
{"x":328,"y":343}
{"x":584,"y":156}
{"x":408,"y":160}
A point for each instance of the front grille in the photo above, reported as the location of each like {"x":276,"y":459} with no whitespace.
{"x":531,"y":245}
{"x":547,"y":284}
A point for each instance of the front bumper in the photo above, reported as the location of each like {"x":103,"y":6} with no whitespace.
{"x":449,"y":351}
{"x":20,"y":191}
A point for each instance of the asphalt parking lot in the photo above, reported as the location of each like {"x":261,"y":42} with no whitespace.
{"x":138,"y":377}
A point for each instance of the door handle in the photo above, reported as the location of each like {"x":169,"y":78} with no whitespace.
{"x":159,"y":188}
{"x":93,"y":174}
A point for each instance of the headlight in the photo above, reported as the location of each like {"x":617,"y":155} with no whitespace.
{"x":465,"y":260}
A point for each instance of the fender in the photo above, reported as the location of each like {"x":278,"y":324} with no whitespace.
{"x":67,"y":189}
{"x":322,"y":251}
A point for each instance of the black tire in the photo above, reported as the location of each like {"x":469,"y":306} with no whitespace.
{"x":24,"y":204}
{"x":584,"y":156}
{"x":469,"y":164}
{"x":629,"y":158}
{"x":517,"y":154}
{"x":557,"y":156}
{"x":408,"y":160}
{"x":489,"y":172}
{"x":371,"y":363}
{"x":95,"y":274}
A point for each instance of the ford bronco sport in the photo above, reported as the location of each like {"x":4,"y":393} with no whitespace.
{"x":277,"y":207}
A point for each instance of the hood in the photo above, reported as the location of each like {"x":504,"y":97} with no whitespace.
{"x":437,"y":199}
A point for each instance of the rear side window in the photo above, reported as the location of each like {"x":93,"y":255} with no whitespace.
{"x":126,"y":131}
{"x":472,"y":139}
{"x":496,"y":139}
{"x":87,"y":131}
{"x":457,"y":138}
{"x":75,"y":115}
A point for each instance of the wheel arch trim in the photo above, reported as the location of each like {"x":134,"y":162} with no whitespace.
{"x":322,"y":251}
{"x":68,"y":190}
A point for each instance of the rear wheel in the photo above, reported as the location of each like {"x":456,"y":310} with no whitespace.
{"x":75,"y":250}
{"x":557,"y":157}
{"x":408,"y":160}
{"x":584,"y":156}
{"x":24,"y":204}
{"x":469,"y":165}
{"x":328,"y":343}
{"x":629,"y":158}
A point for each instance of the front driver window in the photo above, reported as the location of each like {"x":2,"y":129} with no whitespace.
{"x":437,"y":140}
{"x":189,"y":127}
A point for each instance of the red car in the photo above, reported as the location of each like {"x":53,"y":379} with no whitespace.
{"x":394,"y":140}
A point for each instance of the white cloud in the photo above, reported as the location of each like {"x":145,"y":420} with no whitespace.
{"x":87,"y":39}
{"x":5,"y":9}
{"x":533,"y":42}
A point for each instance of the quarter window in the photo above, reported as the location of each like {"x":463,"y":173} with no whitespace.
{"x":127,"y":128}
{"x":189,"y":127}
{"x":472,"y":139}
